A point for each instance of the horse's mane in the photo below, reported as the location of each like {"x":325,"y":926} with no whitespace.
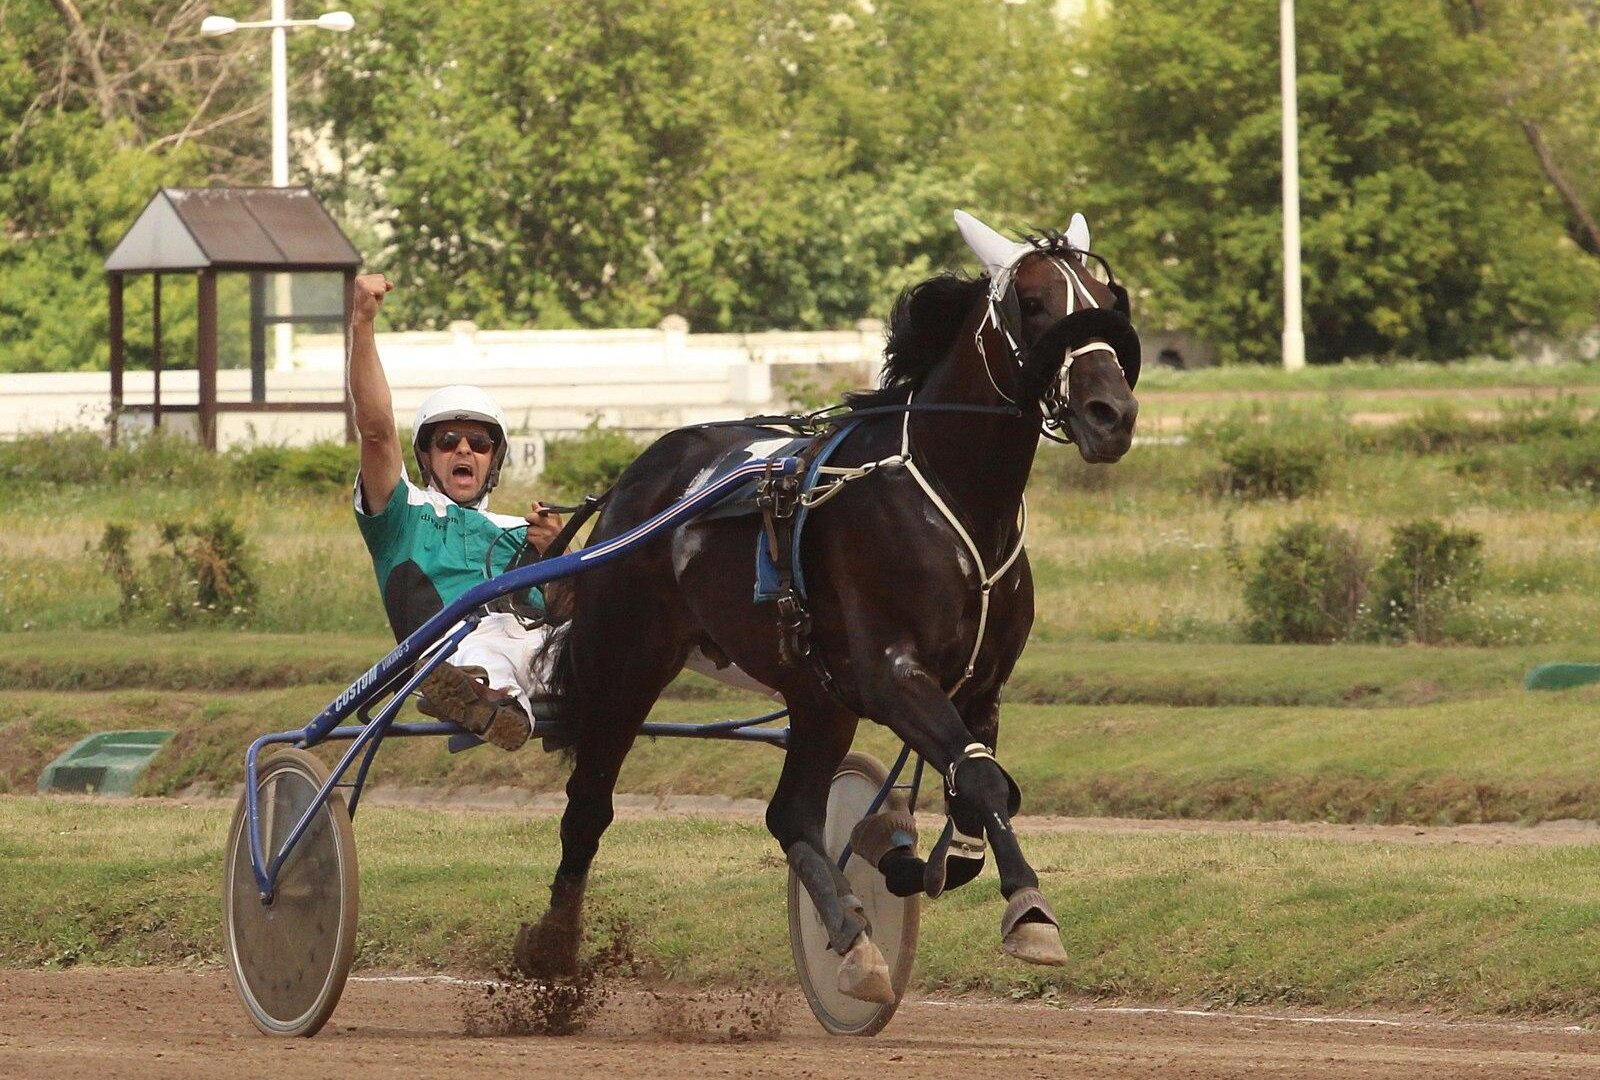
{"x":922,"y":325}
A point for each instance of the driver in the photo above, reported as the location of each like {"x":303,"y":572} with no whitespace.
{"x":431,"y":544}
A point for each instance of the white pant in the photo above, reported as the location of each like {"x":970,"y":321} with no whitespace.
{"x":514,"y":656}
{"x":519,"y":663}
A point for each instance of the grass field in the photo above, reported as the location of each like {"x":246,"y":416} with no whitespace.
{"x":1337,"y":733}
{"x":1050,"y":672}
{"x":1137,"y":554}
{"x":1475,"y":375}
{"x":1214,"y":920}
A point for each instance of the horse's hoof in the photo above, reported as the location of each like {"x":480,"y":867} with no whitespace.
{"x":543,"y":953}
{"x":1037,"y":943}
{"x":864,"y":975}
{"x":1029,"y":930}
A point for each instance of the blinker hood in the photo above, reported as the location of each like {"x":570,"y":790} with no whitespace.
{"x":1075,"y":331}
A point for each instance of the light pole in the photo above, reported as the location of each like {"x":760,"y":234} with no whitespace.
{"x":280,"y":24}
{"x":1294,"y":337}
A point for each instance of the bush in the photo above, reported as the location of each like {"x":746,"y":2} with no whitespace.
{"x":1434,"y":430}
{"x":1307,"y":585}
{"x":74,"y":457}
{"x":201,"y":572}
{"x":1574,"y":464}
{"x":1428,"y":570}
{"x":1521,"y":420}
{"x":589,"y":462}
{"x":805,"y":388}
{"x":1441,"y":428}
{"x":82,"y":457}
{"x":322,"y":466}
{"x":1272,"y":463}
{"x":1549,"y":461}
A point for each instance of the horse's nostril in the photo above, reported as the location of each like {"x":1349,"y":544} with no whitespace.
{"x":1103,"y":413}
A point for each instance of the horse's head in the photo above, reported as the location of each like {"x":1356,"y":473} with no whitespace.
{"x":1064,"y":322}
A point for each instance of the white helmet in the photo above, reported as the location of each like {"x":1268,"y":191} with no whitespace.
{"x":459,"y":403}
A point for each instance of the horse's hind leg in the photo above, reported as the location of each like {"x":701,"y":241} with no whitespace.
{"x":549,"y":948}
{"x":820,"y":736}
{"x":614,"y":700}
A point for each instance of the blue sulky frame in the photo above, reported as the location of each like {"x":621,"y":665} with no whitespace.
{"x":446,"y":630}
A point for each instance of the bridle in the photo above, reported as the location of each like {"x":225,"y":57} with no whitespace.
{"x":1004,"y":314}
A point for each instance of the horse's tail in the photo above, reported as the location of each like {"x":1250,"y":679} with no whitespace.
{"x":557,"y":702}
{"x":556,"y":653}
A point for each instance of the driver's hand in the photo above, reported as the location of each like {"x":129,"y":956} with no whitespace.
{"x":543,"y":526}
{"x":366,"y":297}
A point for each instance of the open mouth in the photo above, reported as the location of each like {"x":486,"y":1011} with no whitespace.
{"x":462,"y":472}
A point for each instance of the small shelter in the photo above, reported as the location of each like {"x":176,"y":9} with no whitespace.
{"x":207,"y":231}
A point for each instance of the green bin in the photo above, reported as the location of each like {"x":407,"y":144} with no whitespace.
{"x":103,"y":764}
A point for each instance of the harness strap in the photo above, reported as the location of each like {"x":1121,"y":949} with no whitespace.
{"x":975,"y":750}
{"x":779,"y":498}
{"x":986,"y":580}
{"x":844,"y":475}
{"x":1076,"y":291}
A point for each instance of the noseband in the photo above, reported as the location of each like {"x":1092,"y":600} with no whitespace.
{"x":1041,"y":370}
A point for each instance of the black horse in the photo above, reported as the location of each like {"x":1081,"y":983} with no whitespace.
{"x":920,"y":597}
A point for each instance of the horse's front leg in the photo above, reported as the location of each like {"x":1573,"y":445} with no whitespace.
{"x":820,"y":736}
{"x":980,"y":799}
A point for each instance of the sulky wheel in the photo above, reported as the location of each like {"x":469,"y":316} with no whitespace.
{"x":289,"y":958}
{"x":894,"y":919}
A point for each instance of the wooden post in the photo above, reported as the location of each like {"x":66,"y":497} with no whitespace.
{"x":114,"y":281}
{"x":258,"y":336}
{"x":207,"y":349}
{"x":155,"y":356}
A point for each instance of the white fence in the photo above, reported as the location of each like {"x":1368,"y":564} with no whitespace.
{"x":548,"y":381}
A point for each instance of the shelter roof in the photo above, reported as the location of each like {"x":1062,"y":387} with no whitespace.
{"x":233,"y":228}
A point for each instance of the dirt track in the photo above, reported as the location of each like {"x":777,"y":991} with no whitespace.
{"x":145,"y":1024}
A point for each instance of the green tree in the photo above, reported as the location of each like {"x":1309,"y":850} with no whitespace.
{"x":1550,"y":85}
{"x":101,"y":104}
{"x":745,"y":164}
{"x":1427,"y":230}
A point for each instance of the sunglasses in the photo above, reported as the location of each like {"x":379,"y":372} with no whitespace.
{"x":447,"y":440}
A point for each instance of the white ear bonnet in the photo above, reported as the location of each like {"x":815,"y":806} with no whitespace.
{"x":1000,"y":256}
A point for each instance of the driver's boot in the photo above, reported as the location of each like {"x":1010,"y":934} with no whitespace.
{"x":462,"y":694}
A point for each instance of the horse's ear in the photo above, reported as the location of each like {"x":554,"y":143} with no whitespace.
{"x":1078,"y":233}
{"x":993,"y":250}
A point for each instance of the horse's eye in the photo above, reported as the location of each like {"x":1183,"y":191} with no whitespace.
{"x":1032,"y":305}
